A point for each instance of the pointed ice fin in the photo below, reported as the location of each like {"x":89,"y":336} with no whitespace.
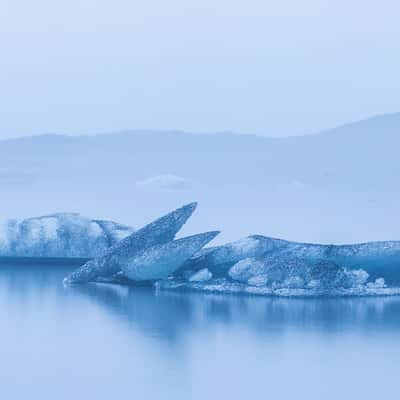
{"x":160,"y":261}
{"x":161,"y":231}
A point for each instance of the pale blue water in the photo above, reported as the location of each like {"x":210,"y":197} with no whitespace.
{"x":109,"y":342}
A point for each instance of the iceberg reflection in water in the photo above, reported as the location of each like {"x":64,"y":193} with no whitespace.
{"x":108,"y":341}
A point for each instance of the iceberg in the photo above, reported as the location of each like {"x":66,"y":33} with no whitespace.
{"x":159,"y":232}
{"x":266,"y":266}
{"x":68,"y":235}
{"x":159,"y":262}
{"x":376,"y":258}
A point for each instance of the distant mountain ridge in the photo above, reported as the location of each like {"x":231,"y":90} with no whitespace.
{"x":367,"y":149}
{"x":340,"y":184}
{"x":388,"y":124}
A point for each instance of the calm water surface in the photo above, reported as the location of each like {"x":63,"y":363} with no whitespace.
{"x":109,"y":342}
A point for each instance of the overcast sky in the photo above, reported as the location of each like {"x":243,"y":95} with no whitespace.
{"x":254,"y":66}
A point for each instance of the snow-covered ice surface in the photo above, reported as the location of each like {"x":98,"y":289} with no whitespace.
{"x":59,"y":235}
{"x":159,"y":232}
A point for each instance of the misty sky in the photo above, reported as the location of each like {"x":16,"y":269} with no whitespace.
{"x":255,"y":66}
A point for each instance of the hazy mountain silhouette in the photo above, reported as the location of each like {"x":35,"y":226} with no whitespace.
{"x":341,"y":183}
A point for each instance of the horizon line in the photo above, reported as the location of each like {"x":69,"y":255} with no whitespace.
{"x":198,"y":133}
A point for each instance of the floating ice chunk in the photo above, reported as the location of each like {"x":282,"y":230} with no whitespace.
{"x":161,"y":231}
{"x":167,"y":181}
{"x":201,"y":276}
{"x":160,"y":261}
{"x":376,"y":258}
{"x":59,"y":235}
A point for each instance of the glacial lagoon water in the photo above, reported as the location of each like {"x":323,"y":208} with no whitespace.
{"x":108,"y":342}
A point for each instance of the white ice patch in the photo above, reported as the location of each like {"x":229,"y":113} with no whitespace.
{"x":201,"y":276}
{"x":245,"y":245}
{"x":167,"y":181}
{"x":120,"y":234}
{"x":95,"y":229}
{"x":378,"y":284}
{"x":246,"y":269}
{"x":258,"y":280}
{"x":357,"y":276}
